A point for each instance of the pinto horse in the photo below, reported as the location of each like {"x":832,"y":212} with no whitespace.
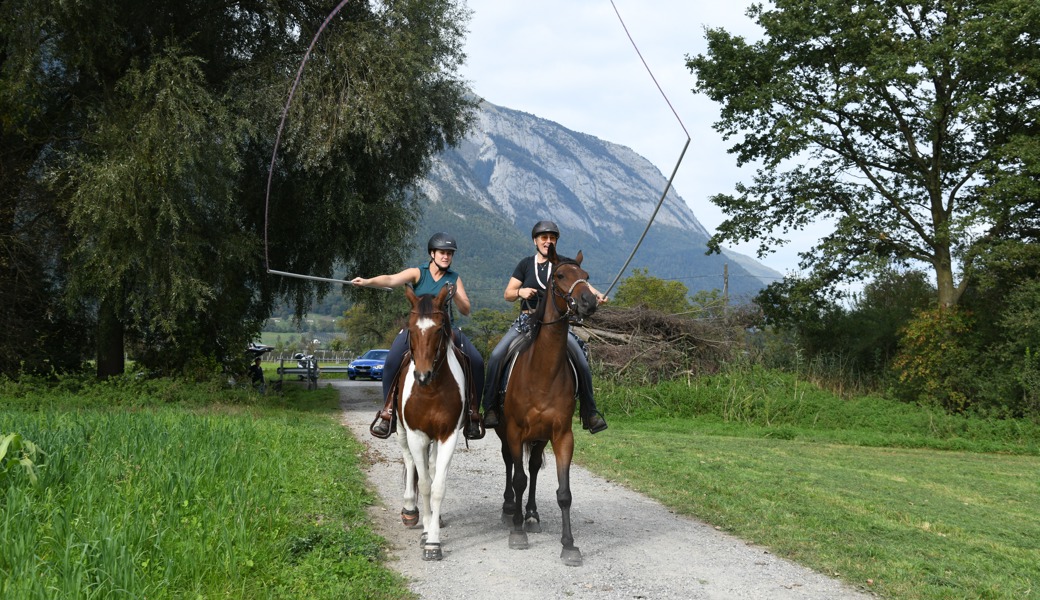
{"x":431,"y":408}
{"x":539,"y":402}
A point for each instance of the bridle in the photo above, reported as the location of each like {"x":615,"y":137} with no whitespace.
{"x":571,"y":312}
{"x":445,"y":334}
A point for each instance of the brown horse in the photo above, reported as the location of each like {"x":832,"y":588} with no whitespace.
{"x":539,"y":402}
{"x":432,"y":405}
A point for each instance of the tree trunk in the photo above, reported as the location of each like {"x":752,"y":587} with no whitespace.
{"x":948,"y":293}
{"x":110,"y":335}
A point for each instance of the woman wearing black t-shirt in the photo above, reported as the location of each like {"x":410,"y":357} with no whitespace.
{"x":528,"y":284}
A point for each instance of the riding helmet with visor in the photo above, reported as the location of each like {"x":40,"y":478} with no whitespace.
{"x":545,"y":227}
{"x":441,"y":241}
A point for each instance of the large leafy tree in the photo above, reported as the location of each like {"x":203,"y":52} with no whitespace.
{"x":911,"y":125}
{"x":138,"y":136}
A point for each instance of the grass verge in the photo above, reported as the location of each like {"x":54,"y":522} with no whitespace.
{"x":171,"y":490}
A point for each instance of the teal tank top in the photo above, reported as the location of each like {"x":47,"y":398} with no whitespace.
{"x":427,"y":285}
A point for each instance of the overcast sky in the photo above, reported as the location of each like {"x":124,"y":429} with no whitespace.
{"x":571,"y":61}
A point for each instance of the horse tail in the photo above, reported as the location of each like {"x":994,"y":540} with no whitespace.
{"x":527,"y":452}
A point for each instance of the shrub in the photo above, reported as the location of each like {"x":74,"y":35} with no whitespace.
{"x":932,"y":359}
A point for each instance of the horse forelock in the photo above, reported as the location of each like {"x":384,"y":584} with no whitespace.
{"x":425,"y":305}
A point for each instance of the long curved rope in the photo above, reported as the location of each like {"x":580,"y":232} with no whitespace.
{"x":278,"y":141}
{"x":677,"y":163}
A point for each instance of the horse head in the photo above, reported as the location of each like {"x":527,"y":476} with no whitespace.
{"x":429,"y":332}
{"x":570,"y":286}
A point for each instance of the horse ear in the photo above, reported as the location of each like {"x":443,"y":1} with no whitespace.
{"x":551,"y":254}
{"x":410,"y":294}
{"x":447,"y":291}
{"x":577,"y":258}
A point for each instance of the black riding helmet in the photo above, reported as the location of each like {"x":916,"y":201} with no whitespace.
{"x":545,"y":227}
{"x":441,"y":241}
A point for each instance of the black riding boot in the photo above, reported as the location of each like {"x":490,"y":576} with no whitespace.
{"x":591,"y":418}
{"x":493,"y":412}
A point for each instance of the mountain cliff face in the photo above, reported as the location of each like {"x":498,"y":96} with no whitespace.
{"x":515,"y":169}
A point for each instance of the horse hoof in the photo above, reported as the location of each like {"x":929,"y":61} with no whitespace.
{"x":410,"y":518}
{"x":518,"y":540}
{"x":571,"y":556}
{"x":508,"y":508}
{"x":532,"y":525}
{"x":432,"y":552}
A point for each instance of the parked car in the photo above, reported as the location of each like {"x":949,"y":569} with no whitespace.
{"x":369,"y":365}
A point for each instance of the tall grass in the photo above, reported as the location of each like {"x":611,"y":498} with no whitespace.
{"x":758,"y":402}
{"x":172,"y":495}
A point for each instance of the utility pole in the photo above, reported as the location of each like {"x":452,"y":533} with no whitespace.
{"x":725,"y":288}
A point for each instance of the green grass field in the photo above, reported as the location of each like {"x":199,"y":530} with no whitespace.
{"x":906,"y":502}
{"x":166,"y":489}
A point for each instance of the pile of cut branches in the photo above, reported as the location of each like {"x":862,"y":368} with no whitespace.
{"x":639,"y":344}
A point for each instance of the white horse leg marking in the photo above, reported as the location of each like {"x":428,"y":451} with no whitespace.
{"x":409,"y":494}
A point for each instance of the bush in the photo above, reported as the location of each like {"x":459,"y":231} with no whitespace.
{"x":932,"y":359}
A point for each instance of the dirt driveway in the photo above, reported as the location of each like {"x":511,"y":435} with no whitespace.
{"x":632,"y":546}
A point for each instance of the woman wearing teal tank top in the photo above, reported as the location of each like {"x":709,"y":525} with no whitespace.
{"x":429,"y":279}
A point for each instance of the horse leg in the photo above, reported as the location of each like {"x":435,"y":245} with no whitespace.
{"x":564,"y":451}
{"x":531,"y":521}
{"x":410,"y":511}
{"x":508,"y":497}
{"x":518,"y":537}
{"x":420,"y":447}
{"x":440,"y":459}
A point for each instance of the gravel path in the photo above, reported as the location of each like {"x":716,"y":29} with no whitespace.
{"x":632,"y":546}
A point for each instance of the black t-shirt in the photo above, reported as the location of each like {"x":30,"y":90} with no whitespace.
{"x":531,"y":277}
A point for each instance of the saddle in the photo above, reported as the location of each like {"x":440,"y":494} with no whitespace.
{"x":394,"y":391}
{"x":513,"y":351}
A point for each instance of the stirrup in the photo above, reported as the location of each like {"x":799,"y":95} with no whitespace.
{"x":377,"y":426}
{"x":474,"y":428}
{"x":600,"y":422}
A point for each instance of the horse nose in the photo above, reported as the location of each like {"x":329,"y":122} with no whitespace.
{"x":587,"y":304}
{"x":423,"y":377}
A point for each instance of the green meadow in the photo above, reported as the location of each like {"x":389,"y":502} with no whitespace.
{"x":166,"y":489}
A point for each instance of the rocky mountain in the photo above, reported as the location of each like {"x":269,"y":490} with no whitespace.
{"x":515,"y":169}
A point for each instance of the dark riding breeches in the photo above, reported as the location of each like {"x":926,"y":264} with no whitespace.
{"x":581,"y":365}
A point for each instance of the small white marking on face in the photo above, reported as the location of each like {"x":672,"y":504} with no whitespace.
{"x":424,"y":324}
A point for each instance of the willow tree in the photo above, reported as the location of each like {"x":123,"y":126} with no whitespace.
{"x":152,"y":125}
{"x":911,"y":125}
